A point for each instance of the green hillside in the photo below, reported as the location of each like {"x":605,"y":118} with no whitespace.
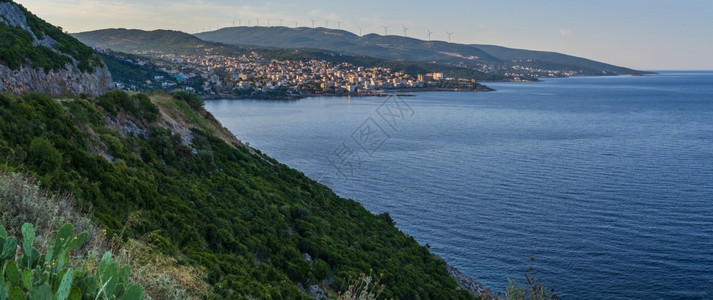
{"x":254,"y":226}
{"x":39,"y":44}
{"x":140,"y":41}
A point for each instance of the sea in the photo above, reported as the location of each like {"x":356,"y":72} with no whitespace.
{"x":603,"y":185}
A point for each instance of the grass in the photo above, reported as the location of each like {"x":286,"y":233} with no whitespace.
{"x":179,"y":112}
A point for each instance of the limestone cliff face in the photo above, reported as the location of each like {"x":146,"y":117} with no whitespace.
{"x":69,"y":80}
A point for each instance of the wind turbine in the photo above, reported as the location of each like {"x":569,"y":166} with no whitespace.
{"x":386,"y":29}
{"x":258,"y":22}
{"x":339,"y":24}
{"x":268,"y":23}
{"x":449,"y":35}
{"x":359,"y":31}
{"x":429,"y":33}
{"x":280,"y":22}
{"x":233,"y":23}
{"x":326,"y":24}
{"x":313,"y":23}
{"x":405,"y":28}
{"x":249,"y":22}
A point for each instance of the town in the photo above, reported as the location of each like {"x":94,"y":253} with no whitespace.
{"x":253,"y":76}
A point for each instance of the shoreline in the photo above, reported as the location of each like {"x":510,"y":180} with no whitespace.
{"x":466,"y":282}
{"x":401,"y":92}
{"x":380,"y":93}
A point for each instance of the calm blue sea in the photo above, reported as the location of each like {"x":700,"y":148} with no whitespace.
{"x":607,"y":182}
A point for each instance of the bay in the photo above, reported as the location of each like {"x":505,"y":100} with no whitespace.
{"x":606,"y":181}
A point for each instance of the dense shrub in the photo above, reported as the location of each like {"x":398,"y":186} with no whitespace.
{"x":242,"y":218}
{"x":192,"y":99}
{"x":43,"y":155}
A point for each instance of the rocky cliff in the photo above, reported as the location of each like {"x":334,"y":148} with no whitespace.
{"x":38,"y":57}
{"x":69,"y":81}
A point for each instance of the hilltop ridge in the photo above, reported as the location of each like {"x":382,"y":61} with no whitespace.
{"x":394,"y":47}
{"x":141,"y":41}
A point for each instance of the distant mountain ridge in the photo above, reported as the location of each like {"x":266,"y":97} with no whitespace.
{"x":136,"y":41}
{"x":394,"y":47}
{"x":372,"y":45}
{"x":36,"y":56}
{"x":512,"y":54}
{"x":150,"y":43}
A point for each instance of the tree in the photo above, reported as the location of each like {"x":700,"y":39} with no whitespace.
{"x":43,"y":155}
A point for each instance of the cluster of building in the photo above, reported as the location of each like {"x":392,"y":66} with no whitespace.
{"x":251,"y":74}
{"x":523,"y":71}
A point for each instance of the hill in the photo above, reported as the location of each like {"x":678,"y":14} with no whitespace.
{"x":372,"y":45}
{"x":493,"y":59}
{"x":544,"y":58}
{"x":140,"y":41}
{"x":162,"y":173}
{"x":148,"y":43}
{"x":256,"y":227}
{"x":37,"y":56}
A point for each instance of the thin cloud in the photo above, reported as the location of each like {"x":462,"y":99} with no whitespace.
{"x":565,"y":32}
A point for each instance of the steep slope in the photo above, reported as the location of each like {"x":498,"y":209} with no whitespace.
{"x":37,"y":56}
{"x":256,"y":227}
{"x":544,"y":57}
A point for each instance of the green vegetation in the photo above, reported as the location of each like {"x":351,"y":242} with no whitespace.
{"x":49,"y":276}
{"x":132,"y":74}
{"x":22,"y":201}
{"x":17,"y":47}
{"x":162,"y":172}
{"x":362,"y":288}
{"x":144,"y":42}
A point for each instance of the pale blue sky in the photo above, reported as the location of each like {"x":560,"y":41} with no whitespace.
{"x":642,"y":34}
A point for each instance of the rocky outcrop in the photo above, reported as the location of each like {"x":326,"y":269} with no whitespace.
{"x":12,"y":15}
{"x":69,"y":81}
{"x":466,"y":282}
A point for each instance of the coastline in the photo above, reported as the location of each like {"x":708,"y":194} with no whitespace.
{"x":378,"y":93}
{"x":466,"y":282}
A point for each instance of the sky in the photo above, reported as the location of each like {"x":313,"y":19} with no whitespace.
{"x":640,"y":34}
